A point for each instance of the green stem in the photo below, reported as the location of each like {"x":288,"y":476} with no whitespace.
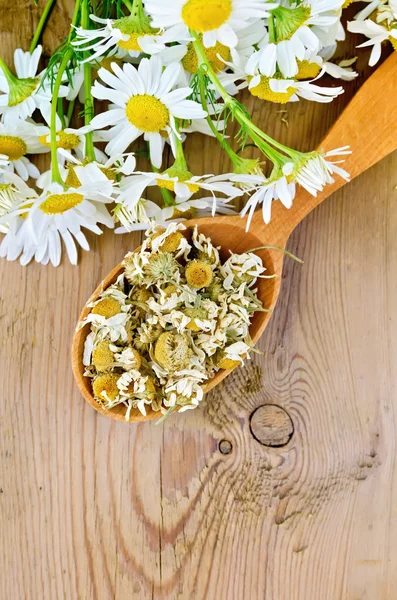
{"x":7,"y":73}
{"x":272,"y":29}
{"x":166,"y":194}
{"x":69,"y":114}
{"x":237,"y":112}
{"x":41,"y":23}
{"x":60,"y":112}
{"x":128,"y":4}
{"x":88,"y":99}
{"x":180,"y":160}
{"x":217,"y":134}
{"x":283,"y":250}
{"x":56,"y":176}
{"x":75,"y":17}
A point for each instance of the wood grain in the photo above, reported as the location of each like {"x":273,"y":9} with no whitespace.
{"x":96,"y":509}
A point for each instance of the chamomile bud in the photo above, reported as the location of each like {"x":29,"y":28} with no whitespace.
{"x":172,"y":351}
{"x":198,"y":274}
{"x":171,"y":242}
{"x":102,"y":357}
{"x":107,"y":307}
{"x":105,"y":386}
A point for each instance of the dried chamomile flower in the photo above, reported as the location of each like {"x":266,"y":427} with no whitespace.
{"x":107,"y":307}
{"x":105,"y":387}
{"x":172,"y":351}
{"x":139,"y":297}
{"x":223,"y":362}
{"x":197,"y":315}
{"x":134,"y":264}
{"x":128,"y":358}
{"x":103,"y":357}
{"x":171,"y":240}
{"x":163,"y":267}
{"x":241,"y":268}
{"x":205,"y":251}
{"x":169,"y":289}
{"x":198,"y":274}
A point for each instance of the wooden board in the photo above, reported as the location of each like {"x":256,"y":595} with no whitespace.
{"x":199,"y":508}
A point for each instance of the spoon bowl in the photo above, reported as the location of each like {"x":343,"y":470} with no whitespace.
{"x":368,"y":125}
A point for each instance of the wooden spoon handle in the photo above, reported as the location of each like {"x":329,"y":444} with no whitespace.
{"x":368,"y":125}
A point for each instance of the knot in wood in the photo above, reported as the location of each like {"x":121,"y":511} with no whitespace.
{"x":271,"y":425}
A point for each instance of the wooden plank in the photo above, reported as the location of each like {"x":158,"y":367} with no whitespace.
{"x":91,"y":508}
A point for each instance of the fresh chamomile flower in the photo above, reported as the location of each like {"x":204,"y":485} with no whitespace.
{"x":132,"y":34}
{"x":59,"y":214}
{"x":275,"y":89}
{"x":16,"y":201}
{"x":316,"y":169}
{"x":216,"y":20}
{"x":180,"y":181}
{"x":277,"y":188}
{"x":26,"y":91}
{"x":338,"y":70}
{"x":16,"y":141}
{"x":292,"y":36}
{"x":377,"y":34}
{"x":144,"y":105}
{"x":68,"y":139}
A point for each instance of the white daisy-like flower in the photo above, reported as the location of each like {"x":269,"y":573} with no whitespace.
{"x":293,"y":35}
{"x":59,"y":215}
{"x":316,"y":169}
{"x":16,"y":201}
{"x":16,"y":142}
{"x":128,"y":34}
{"x":145,"y":104}
{"x":216,"y":20}
{"x":68,"y":138}
{"x":377,"y":34}
{"x":313,"y":64}
{"x":270,"y":190}
{"x":290,"y":90}
{"x":26,"y":91}
{"x":183,"y":183}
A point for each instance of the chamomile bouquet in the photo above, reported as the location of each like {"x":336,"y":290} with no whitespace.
{"x":152,"y":72}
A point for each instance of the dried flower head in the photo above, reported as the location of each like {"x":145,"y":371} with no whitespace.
{"x":198,"y":274}
{"x":172,"y":351}
{"x":107,"y":307}
{"x":105,"y":387}
{"x":102,"y":356}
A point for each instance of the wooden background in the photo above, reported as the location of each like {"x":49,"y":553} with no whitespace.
{"x":198,"y":508}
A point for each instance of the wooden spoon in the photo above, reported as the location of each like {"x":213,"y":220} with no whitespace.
{"x":368,"y":125}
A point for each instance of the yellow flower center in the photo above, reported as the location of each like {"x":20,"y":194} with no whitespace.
{"x":106,"y":383}
{"x":168,"y":184}
{"x":27,"y":206}
{"x":71,"y":178}
{"x":107,"y":307}
{"x":393,"y":41}
{"x":13,"y":147}
{"x":263,"y":91}
{"x":106,"y":62}
{"x":307,"y":70}
{"x":147,"y":113}
{"x":132,"y":42}
{"x":67,"y":141}
{"x":206,"y":15}
{"x":190,"y":60}
{"x":189,"y":213}
{"x":56,"y":204}
{"x":198,"y":274}
{"x":347,"y":3}
{"x":171,"y":242}
{"x":102,"y":357}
